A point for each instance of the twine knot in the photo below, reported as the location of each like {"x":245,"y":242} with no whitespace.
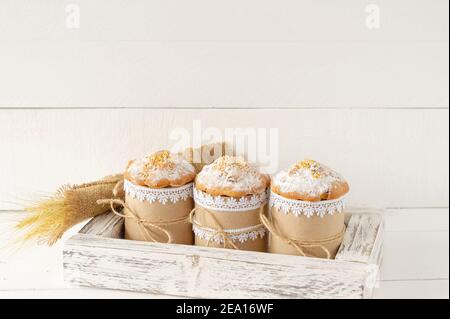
{"x":148,"y":229}
{"x":300,"y":245}
{"x":218,"y":230}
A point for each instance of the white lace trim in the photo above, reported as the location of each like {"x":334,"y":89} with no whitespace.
{"x":298,"y":207}
{"x":239,"y":234}
{"x":162,"y":195}
{"x":230,"y":204}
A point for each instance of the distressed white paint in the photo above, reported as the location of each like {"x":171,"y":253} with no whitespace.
{"x":36,"y":271}
{"x":393,"y":158}
{"x":362,"y":240}
{"x":415,"y":289}
{"x":197,"y":272}
{"x":105,"y":225}
{"x":92,"y":259}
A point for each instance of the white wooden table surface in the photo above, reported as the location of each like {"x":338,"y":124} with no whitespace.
{"x":416,"y":261}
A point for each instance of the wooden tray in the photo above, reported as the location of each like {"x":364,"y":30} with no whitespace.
{"x":98,"y":257}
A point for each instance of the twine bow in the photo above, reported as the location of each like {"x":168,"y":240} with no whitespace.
{"x":300,"y":245}
{"x":218,"y":230}
{"x":148,"y":229}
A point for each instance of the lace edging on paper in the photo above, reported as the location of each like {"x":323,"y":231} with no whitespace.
{"x":229,"y":203}
{"x":240,"y":234}
{"x":161,"y":195}
{"x":298,"y":207}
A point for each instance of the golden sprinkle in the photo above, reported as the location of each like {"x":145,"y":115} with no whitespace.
{"x":160,"y":159}
{"x":310,"y":165}
{"x":307,"y":163}
{"x":225,"y":162}
{"x":316,"y":174}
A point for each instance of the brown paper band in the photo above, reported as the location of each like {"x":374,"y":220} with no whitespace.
{"x":147,"y":228}
{"x":299,"y":245}
{"x":218,"y":229}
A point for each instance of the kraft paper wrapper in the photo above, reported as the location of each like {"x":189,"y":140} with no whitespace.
{"x":230,"y":220}
{"x":181,"y":232}
{"x":303,"y":228}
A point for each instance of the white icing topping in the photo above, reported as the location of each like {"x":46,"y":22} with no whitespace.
{"x":159,"y":166}
{"x":232,"y":173}
{"x":306,"y":177}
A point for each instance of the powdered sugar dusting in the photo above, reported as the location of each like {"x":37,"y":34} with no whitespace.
{"x":159,"y":166}
{"x":233,"y":173}
{"x":307,"y":177}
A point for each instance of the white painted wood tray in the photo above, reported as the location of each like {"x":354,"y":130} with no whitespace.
{"x":98,"y":257}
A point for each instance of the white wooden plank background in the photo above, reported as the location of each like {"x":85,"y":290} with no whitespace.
{"x":394,"y":158}
{"x":219,"y":53}
{"x":371,"y":103}
{"x":221,"y":20}
{"x":413,"y":289}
